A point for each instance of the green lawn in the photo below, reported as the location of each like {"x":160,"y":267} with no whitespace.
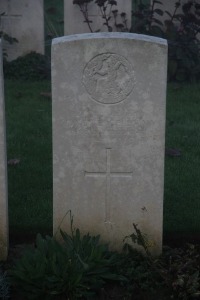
{"x":182,"y":174}
{"x":28,"y":116}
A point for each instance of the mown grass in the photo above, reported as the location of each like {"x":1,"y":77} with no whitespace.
{"x":182,"y":174}
{"x":28,"y":118}
{"x":29,"y":138}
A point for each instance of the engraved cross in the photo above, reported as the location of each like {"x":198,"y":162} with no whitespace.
{"x":108,"y":175}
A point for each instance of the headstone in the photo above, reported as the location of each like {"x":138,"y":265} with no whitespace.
{"x":23,"y":20}
{"x":74,"y":20}
{"x":109,"y":94}
{"x":3,"y":172}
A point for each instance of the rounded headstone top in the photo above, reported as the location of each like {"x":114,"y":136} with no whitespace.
{"x":110,"y":35}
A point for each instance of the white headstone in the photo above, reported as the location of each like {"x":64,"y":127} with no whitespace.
{"x":3,"y":172}
{"x":74,"y":20}
{"x":109,"y":94}
{"x":23,"y":20}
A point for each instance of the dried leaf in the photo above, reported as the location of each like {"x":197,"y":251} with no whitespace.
{"x":13,"y":161}
{"x":45,"y":94}
{"x":172,"y":152}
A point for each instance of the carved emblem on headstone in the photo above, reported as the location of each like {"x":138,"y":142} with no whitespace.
{"x":108,"y":78}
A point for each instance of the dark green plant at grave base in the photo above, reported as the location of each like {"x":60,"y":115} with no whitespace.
{"x":33,"y":66}
{"x":77,"y":268}
{"x":4,"y":286}
{"x":176,"y":269}
{"x":81,"y":266}
{"x":182,"y":266}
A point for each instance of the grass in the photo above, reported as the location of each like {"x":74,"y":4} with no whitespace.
{"x":29,"y":139}
{"x":28,"y":118}
{"x":29,"y":130}
{"x":182,"y":188}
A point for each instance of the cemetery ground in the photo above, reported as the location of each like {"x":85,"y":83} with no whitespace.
{"x":28,"y":114}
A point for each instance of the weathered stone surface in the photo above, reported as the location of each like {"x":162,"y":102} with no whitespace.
{"x":23,"y":20}
{"x":3,"y":172}
{"x":74,"y":21}
{"x":109,"y":94}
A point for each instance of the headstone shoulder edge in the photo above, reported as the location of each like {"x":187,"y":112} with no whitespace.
{"x":108,"y":35}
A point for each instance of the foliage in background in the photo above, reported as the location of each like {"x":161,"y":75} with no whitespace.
{"x":33,"y":66}
{"x":180,"y":29}
{"x":76,"y":268}
{"x":146,"y":18}
{"x":107,"y":12}
{"x":4,"y":286}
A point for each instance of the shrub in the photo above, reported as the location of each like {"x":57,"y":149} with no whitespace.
{"x":180,"y":29}
{"x":33,"y":66}
{"x":145,"y":18}
{"x":75,"y":269}
{"x":184,"y":45}
{"x":176,"y":269}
